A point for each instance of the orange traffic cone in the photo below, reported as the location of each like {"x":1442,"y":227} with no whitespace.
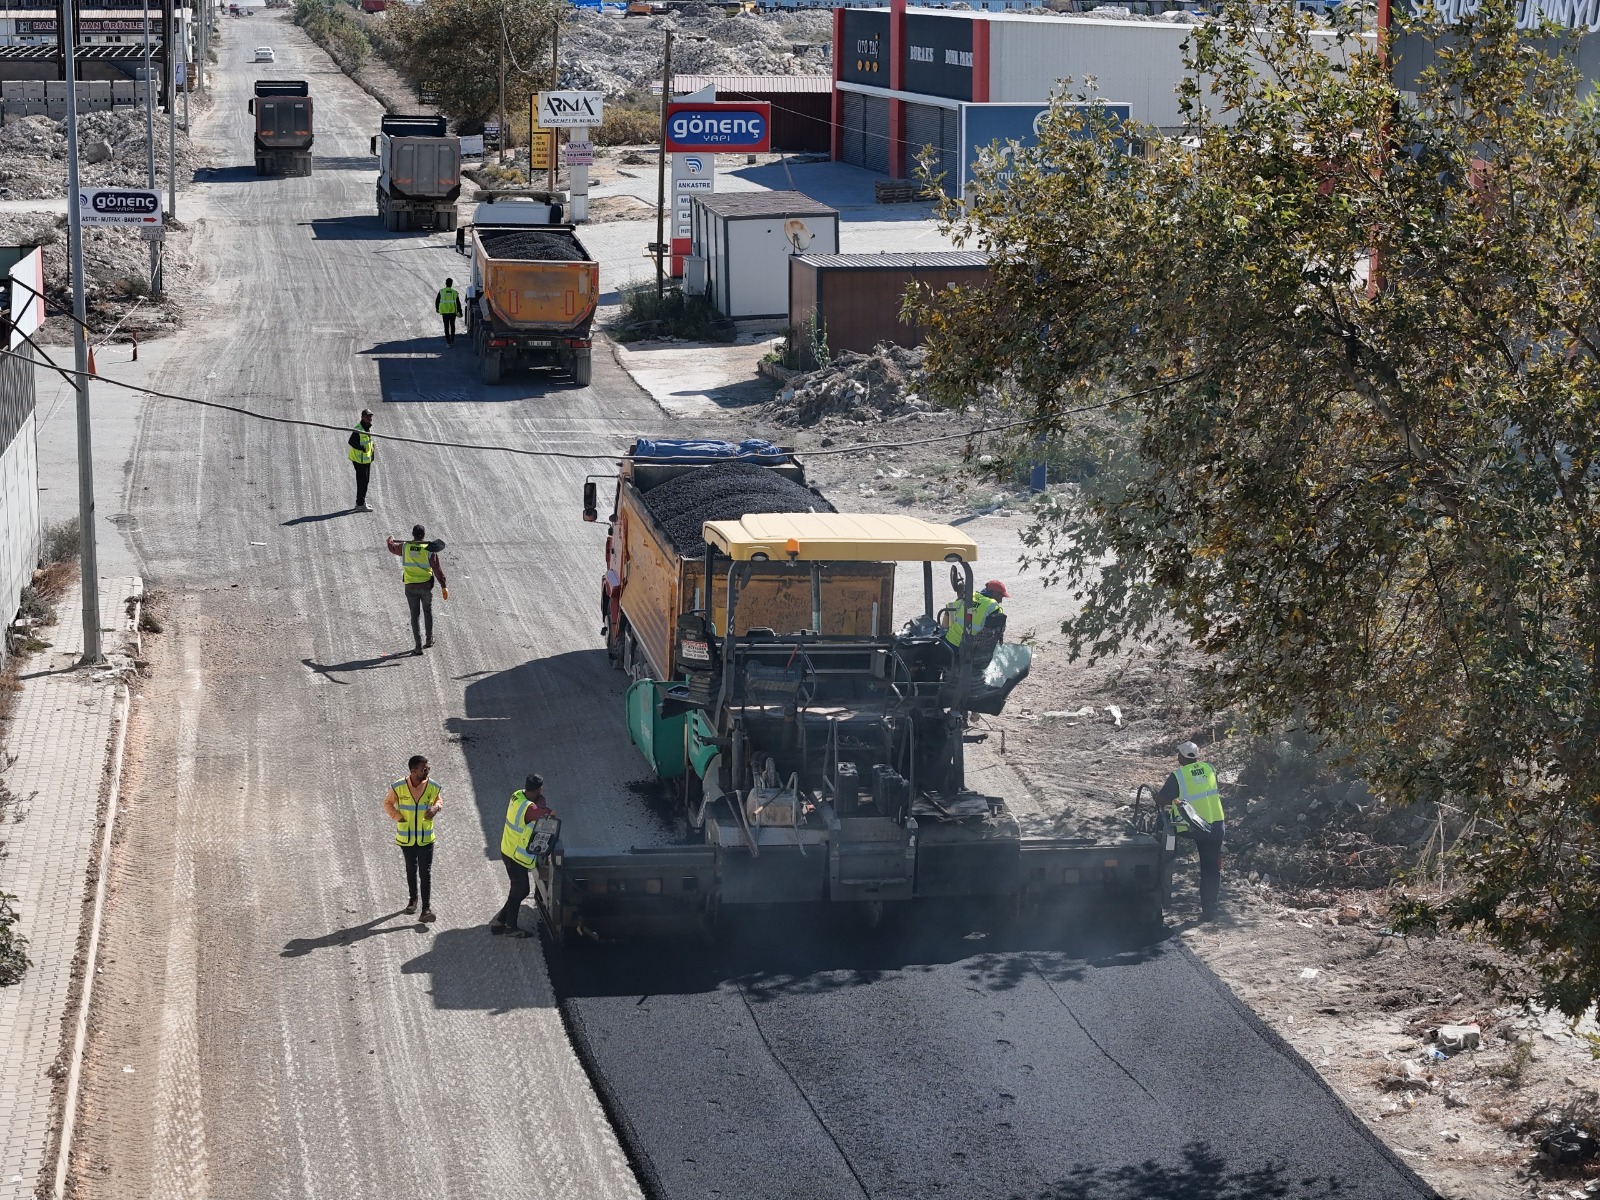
{"x":92,"y":371}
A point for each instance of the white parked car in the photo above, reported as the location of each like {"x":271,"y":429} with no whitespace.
{"x":264,"y":54}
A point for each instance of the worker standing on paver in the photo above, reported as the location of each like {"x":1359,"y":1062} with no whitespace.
{"x":1195,"y":810}
{"x":419,"y":566}
{"x":362,"y":453}
{"x":448,"y":305}
{"x":412,"y":804}
{"x":986,"y":613}
{"x":518,"y":853}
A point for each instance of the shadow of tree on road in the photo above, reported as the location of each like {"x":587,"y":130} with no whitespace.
{"x":1204,"y":1175}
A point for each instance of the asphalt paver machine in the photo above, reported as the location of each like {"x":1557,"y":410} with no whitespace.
{"x":820,"y":752}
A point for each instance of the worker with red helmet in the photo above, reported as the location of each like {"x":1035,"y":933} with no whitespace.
{"x":985,"y":612}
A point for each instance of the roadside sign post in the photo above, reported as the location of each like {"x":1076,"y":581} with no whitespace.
{"x":579,"y":112}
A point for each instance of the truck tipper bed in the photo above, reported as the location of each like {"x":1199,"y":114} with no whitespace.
{"x":284,"y":130}
{"x":419,"y":173}
{"x":533,"y":293}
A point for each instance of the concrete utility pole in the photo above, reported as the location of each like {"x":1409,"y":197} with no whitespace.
{"x":88,"y":562}
{"x":504,"y":130}
{"x":172,"y":129}
{"x":555,"y":83}
{"x":150,"y":141}
{"x":661,"y":172}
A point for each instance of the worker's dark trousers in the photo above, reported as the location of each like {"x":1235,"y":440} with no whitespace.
{"x":1210,"y":847}
{"x":520,"y":887}
{"x":419,"y":869}
{"x":419,"y":598}
{"x":363,"y":477}
{"x":449,"y":328}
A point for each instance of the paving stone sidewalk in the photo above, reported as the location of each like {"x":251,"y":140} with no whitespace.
{"x":57,"y":742}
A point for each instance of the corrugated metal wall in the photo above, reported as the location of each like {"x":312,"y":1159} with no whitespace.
{"x":802,"y":122}
{"x":931,"y":125}
{"x":19,"y":481}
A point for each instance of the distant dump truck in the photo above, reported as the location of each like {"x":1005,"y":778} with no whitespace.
{"x":419,"y":173}
{"x":533,"y":293}
{"x":282,"y":109}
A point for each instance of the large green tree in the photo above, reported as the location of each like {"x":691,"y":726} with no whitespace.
{"x":454,"y":49}
{"x":1349,"y":341}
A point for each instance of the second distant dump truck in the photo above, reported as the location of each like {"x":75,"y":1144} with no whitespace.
{"x":282,"y":109}
{"x":533,"y":293}
{"x":419,"y":173}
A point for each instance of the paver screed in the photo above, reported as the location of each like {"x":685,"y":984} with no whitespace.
{"x":57,"y":743}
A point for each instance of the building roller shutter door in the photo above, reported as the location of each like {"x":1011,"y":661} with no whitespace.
{"x":876,"y":125}
{"x":853,"y":142}
{"x":930,"y":125}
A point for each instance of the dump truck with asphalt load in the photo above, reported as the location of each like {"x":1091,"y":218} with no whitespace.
{"x":534,"y":288}
{"x":818,"y":751}
{"x":419,"y":173}
{"x":284,"y":130}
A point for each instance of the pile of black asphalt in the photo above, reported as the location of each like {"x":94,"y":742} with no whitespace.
{"x":723,"y":491}
{"x":801,"y":1061}
{"x":533,"y":246}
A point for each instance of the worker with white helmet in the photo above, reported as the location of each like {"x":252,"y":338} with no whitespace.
{"x":1195,"y":810}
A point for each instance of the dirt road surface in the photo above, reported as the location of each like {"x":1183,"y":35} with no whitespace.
{"x":270,"y":1024}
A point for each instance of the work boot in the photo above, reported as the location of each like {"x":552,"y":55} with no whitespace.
{"x":410,"y":908}
{"x":363,"y":508}
{"x":428,"y":644}
{"x":427,"y":915}
{"x":418,"y":650}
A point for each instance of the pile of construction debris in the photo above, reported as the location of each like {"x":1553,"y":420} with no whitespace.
{"x":116,"y":268}
{"x":619,"y":55}
{"x":856,"y":388}
{"x":111,"y":151}
{"x":724,"y":492}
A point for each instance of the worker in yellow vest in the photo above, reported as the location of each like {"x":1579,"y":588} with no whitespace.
{"x":448,"y":305}
{"x":412,"y":804}
{"x":362,"y":452}
{"x":1195,"y":811}
{"x":518,"y":852}
{"x":419,"y":567}
{"x":986,"y":613}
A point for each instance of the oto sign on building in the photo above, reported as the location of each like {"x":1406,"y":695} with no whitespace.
{"x":119,"y":206}
{"x":710,"y":127}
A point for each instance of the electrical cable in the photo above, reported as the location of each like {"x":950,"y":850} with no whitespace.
{"x":71,"y":376}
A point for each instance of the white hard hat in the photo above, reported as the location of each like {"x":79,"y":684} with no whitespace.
{"x":1188,"y":752}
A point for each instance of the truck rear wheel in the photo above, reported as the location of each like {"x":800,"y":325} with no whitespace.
{"x":491,"y":365}
{"x":582,"y":368}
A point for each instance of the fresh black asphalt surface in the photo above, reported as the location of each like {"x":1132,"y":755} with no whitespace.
{"x":779,"y":1065}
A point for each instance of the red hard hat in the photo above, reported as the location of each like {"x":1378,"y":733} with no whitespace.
{"x":995,"y":587}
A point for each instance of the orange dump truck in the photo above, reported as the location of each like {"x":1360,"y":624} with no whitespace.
{"x":533,"y":293}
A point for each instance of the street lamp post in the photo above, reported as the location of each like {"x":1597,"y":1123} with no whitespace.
{"x":89,"y":567}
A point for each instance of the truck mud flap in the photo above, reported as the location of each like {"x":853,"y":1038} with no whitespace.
{"x":1130,"y":874}
{"x":639,"y":892}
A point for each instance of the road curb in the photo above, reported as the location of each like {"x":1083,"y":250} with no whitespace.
{"x":80,"y":1037}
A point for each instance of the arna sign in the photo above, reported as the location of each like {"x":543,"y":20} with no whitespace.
{"x":709,"y":127}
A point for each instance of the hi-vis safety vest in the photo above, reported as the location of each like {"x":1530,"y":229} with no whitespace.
{"x":1197,"y":785}
{"x":415,"y":827}
{"x":363,"y":455}
{"x":982,"y":607}
{"x":414,"y":566}
{"x":517,"y":833}
{"x":449,"y":301}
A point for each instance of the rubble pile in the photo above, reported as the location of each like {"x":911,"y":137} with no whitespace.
{"x":855,"y":387}
{"x":724,"y":491}
{"x":116,"y":268}
{"x":618,"y":55}
{"x":111,"y":153}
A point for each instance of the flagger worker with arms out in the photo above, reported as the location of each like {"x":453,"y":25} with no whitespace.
{"x":1192,"y":789}
{"x":419,"y":567}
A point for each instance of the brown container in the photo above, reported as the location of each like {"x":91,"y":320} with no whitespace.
{"x":856,"y":298}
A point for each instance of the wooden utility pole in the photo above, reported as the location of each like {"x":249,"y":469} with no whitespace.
{"x":661,"y":172}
